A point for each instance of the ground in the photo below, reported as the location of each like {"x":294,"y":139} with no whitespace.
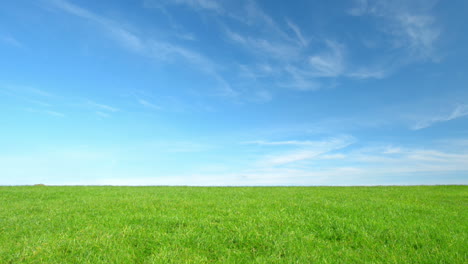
{"x":418,"y":224}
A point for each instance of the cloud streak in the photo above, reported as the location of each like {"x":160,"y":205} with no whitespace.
{"x":329,"y":63}
{"x":297,"y":31}
{"x":151,"y":48}
{"x":9,"y":40}
{"x":301,"y":150}
{"x":409,"y":22}
{"x":148,"y":104}
{"x":102,"y":107}
{"x":458,"y":112}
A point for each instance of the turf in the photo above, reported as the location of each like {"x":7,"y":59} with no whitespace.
{"x":420,"y":224}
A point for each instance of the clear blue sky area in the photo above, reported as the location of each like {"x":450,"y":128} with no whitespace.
{"x":241,"y":92}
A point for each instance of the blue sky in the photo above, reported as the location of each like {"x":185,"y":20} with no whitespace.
{"x":204,"y":92}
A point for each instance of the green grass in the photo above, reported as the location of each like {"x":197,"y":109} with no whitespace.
{"x":421,"y":224}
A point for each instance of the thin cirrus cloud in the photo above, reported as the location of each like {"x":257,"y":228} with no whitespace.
{"x":45,"y":112}
{"x":147,"y":104}
{"x":410,"y":23}
{"x":301,"y":150}
{"x":301,"y":39}
{"x":282,"y":46}
{"x":11,"y":41}
{"x":288,"y":53}
{"x":150,"y":47}
{"x":125,"y":37}
{"x":410,"y":160}
{"x":329,"y":63}
{"x":102,"y":107}
{"x":458,"y":112}
{"x":34,"y":100}
{"x":202,"y":4}
{"x":364,"y":166}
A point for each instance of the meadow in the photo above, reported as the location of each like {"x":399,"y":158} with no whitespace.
{"x":90,"y":224}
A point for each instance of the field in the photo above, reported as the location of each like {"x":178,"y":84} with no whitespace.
{"x":420,"y":224}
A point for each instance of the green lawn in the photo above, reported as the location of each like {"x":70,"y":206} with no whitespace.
{"x":422,"y":224}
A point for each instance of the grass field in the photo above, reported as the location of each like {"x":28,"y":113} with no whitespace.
{"x":423,"y":224}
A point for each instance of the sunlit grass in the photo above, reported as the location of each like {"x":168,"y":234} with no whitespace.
{"x":41,"y":224}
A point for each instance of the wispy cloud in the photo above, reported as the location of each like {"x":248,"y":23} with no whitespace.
{"x":201,"y":4}
{"x":401,"y":159}
{"x":311,"y":165}
{"x":179,"y":146}
{"x":412,"y":25}
{"x":45,"y":111}
{"x":150,"y":47}
{"x":367,"y":73}
{"x":123,"y":36}
{"x":284,"y":46}
{"x":148,"y":104}
{"x":9,"y":40}
{"x":458,"y":112}
{"x":297,"y":31}
{"x":295,"y":64}
{"x":366,"y":166}
{"x":54,"y":113}
{"x":29,"y":91}
{"x":102,"y":114}
{"x":301,"y":150}
{"x":329,"y":63}
{"x":360,"y":8}
{"x":264,"y":47}
{"x":102,"y":107}
{"x":421,"y":33}
{"x":253,"y":15}
{"x":300,"y":79}
{"x":30,"y":95}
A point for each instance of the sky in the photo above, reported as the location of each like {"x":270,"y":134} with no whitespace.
{"x":233,"y":93}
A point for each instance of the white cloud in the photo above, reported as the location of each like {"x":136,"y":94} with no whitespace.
{"x":284,"y":47}
{"x":366,"y":165}
{"x":9,"y":40}
{"x":27,"y":91}
{"x":410,"y":160}
{"x":31,"y":96}
{"x":301,"y":143}
{"x":420,"y":32}
{"x":302,"y":40}
{"x":410,"y":23}
{"x":179,"y":146}
{"x":367,"y":73}
{"x":45,"y":111}
{"x":303,"y":150}
{"x":148,"y":104}
{"x":301,"y":79}
{"x":254,"y":16}
{"x":202,"y":4}
{"x":270,"y":40}
{"x":392,"y":150}
{"x":459,"y":112}
{"x":205,"y":5}
{"x":54,"y":113}
{"x":262,"y":96}
{"x":123,"y":36}
{"x":333,"y":156}
{"x":102,"y":106}
{"x":150,"y":47}
{"x":359,"y":9}
{"x":329,"y":63}
{"x":102,"y":114}
{"x":266,"y":48}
